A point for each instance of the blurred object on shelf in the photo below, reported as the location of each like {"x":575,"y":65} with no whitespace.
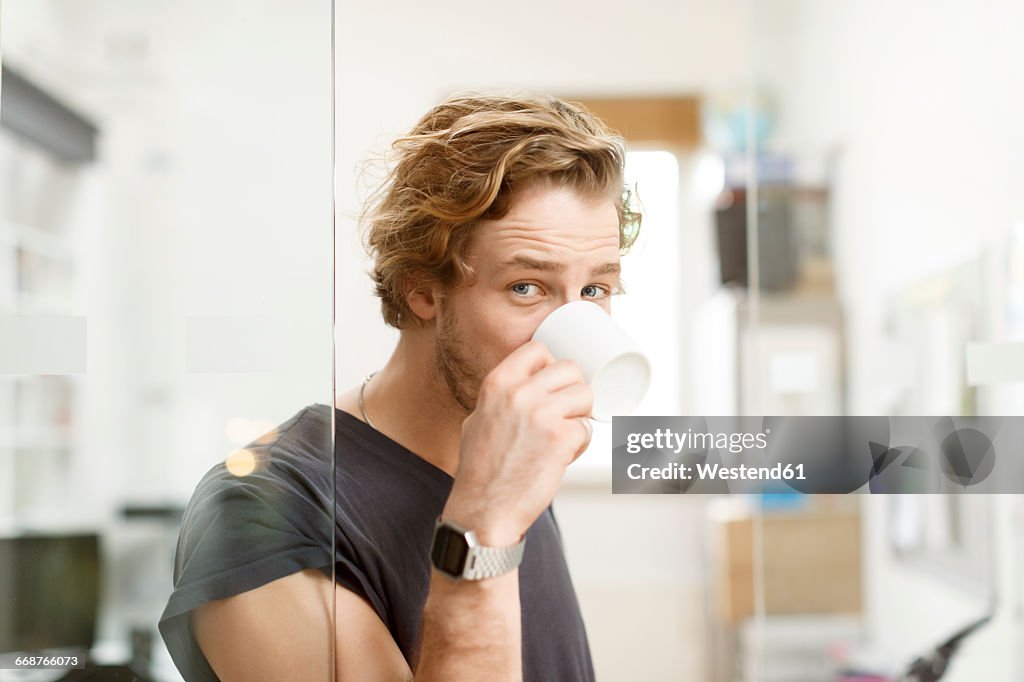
{"x":51,"y":585}
{"x":791,"y":361}
{"x":731,"y":117}
{"x":933,"y":666}
{"x":794,"y":252}
{"x":812,"y":563}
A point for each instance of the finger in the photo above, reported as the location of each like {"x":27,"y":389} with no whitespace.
{"x":523,"y":362}
{"x":588,"y":430}
{"x":556,"y":376}
{"x":576,"y":400}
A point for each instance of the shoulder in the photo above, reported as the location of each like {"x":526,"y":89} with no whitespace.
{"x":266,"y":501}
{"x":254,"y":518}
{"x":298,"y":448}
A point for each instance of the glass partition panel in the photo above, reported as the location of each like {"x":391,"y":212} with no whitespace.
{"x":165,"y":323}
{"x":876,"y":186}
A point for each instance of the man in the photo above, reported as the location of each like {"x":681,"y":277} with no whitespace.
{"x":499,"y":210}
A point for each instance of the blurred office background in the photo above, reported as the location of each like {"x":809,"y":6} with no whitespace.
{"x":833,"y":218}
{"x":165,"y":289}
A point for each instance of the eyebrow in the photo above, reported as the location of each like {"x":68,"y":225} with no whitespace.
{"x":557,"y":266}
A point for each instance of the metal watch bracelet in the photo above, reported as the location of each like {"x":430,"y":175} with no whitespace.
{"x":456,"y":552}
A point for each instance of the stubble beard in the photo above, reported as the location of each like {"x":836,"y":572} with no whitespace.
{"x":456,"y":364}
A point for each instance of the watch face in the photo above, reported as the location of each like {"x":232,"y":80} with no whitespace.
{"x":449,"y":551}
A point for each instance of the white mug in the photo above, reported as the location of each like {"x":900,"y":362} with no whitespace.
{"x":613,"y":364}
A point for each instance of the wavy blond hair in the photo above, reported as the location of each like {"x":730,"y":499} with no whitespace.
{"x":462,"y":163}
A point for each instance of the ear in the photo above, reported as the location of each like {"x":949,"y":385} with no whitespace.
{"x":423,"y":302}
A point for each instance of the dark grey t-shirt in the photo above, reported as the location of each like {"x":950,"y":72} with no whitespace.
{"x":240,"y":532}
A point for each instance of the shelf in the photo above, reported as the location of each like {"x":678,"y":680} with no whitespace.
{"x":34,"y":441}
{"x":41,"y":304}
{"x":995,"y":363}
{"x":39,"y":270}
{"x":36,"y":240}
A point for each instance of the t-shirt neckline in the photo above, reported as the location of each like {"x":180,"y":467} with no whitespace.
{"x":382,"y":439}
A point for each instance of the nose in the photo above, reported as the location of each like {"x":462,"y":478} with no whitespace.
{"x":571,"y":294}
{"x":553,"y":303}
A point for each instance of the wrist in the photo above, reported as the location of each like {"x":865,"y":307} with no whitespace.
{"x":494,"y":527}
{"x":458,"y":552}
{"x":491,"y":529}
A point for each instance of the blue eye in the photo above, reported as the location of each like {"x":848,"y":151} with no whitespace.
{"x":522,"y":288}
{"x":592,"y":291}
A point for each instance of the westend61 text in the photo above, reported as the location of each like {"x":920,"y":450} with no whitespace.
{"x":708,"y":472}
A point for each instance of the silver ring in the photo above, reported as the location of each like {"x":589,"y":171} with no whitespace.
{"x":588,"y":428}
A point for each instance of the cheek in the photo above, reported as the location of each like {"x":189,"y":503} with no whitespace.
{"x":495,"y":331}
{"x":506,"y":332}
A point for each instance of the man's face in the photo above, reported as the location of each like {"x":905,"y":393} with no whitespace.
{"x":554,"y":246}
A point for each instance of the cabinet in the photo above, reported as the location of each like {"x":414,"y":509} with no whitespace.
{"x":788,"y":361}
{"x":37,"y":277}
{"x":811,"y":583}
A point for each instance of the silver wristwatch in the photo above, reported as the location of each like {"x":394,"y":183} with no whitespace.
{"x":456,"y":552}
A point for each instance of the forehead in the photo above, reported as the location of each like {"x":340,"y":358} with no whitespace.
{"x":551,"y":223}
